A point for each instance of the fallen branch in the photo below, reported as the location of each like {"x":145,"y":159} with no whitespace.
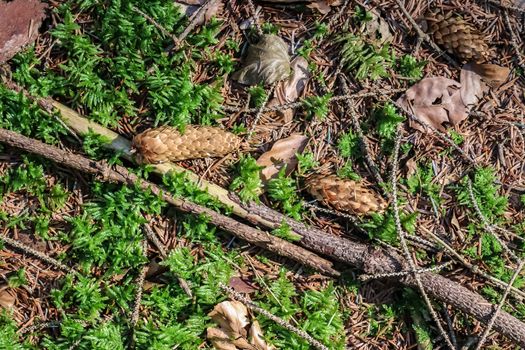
{"x":122,"y":175}
{"x":360,"y":255}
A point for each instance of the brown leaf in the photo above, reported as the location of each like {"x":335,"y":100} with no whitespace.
{"x":283,"y":153}
{"x":190,"y":7}
{"x":289,"y":90}
{"x":232,"y":317}
{"x":219,"y":339}
{"x":266,"y":62}
{"x":7,"y":297}
{"x":323,"y":6}
{"x":256,"y":337}
{"x":241,"y":286}
{"x":492,"y":74}
{"x":435,"y":101}
{"x":472,"y":86}
{"x":19,"y":24}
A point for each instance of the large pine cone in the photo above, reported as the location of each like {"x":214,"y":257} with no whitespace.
{"x":457,"y":36}
{"x":166,"y":144}
{"x":345,"y":195}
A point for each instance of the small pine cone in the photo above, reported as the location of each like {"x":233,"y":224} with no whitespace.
{"x":166,"y":144}
{"x":456,"y":36}
{"x":345,"y":195}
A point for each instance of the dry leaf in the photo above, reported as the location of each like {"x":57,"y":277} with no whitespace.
{"x":219,"y":339}
{"x":472,"y":86}
{"x":19,"y":23}
{"x":232,"y":333}
{"x":324,"y":6}
{"x":377,"y":29}
{"x":7,"y":297}
{"x":283,"y":153}
{"x":256,"y":337}
{"x":266,"y":62}
{"x":232,"y":317}
{"x":434,"y":101}
{"x":289,"y":90}
{"x":492,"y":74}
{"x":241,"y":286}
{"x":190,"y":7}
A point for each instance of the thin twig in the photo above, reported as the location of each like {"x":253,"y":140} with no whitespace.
{"x":500,"y":305}
{"x":405,"y":273}
{"x":401,"y":233}
{"x":519,"y":294}
{"x":255,"y":15}
{"x":42,"y":256}
{"x":157,"y":25}
{"x":152,"y":236}
{"x":485,"y":222}
{"x":365,"y":149}
{"x":261,"y":110}
{"x":139,"y":284}
{"x":255,"y":308}
{"x":333,"y":99}
{"x":513,"y":41}
{"x":498,"y":3}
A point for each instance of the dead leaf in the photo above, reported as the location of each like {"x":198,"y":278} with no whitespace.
{"x":7,"y":297}
{"x":19,"y":24}
{"x":434,"y":101}
{"x":472,"y":86}
{"x":232,"y":317}
{"x":241,"y":286}
{"x":492,"y":74}
{"x":324,"y":6}
{"x":289,"y":90}
{"x":232,"y":333}
{"x":190,"y":7}
{"x":266,"y":62}
{"x":377,"y":29}
{"x":283,"y":153}
{"x":256,"y":337}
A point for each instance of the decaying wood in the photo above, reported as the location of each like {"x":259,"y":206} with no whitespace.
{"x":372,"y":260}
{"x":122,"y":175}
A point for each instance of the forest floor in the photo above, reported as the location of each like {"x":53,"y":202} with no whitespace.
{"x":98,"y":281}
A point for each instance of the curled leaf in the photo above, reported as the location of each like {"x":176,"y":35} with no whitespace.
{"x":19,"y":23}
{"x":472,"y":86}
{"x":190,"y":8}
{"x":282,"y":154}
{"x":266,"y":62}
{"x":233,"y":332}
{"x":492,"y":74}
{"x":290,"y":89}
{"x":232,"y":317}
{"x":434,"y":101}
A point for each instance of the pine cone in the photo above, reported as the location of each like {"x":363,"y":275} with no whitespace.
{"x":345,"y":195}
{"x":168,"y":144}
{"x":457,"y":36}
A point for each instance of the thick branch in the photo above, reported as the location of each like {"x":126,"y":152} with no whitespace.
{"x":122,"y":175}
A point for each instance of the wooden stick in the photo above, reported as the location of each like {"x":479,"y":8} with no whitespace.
{"x":122,"y":175}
